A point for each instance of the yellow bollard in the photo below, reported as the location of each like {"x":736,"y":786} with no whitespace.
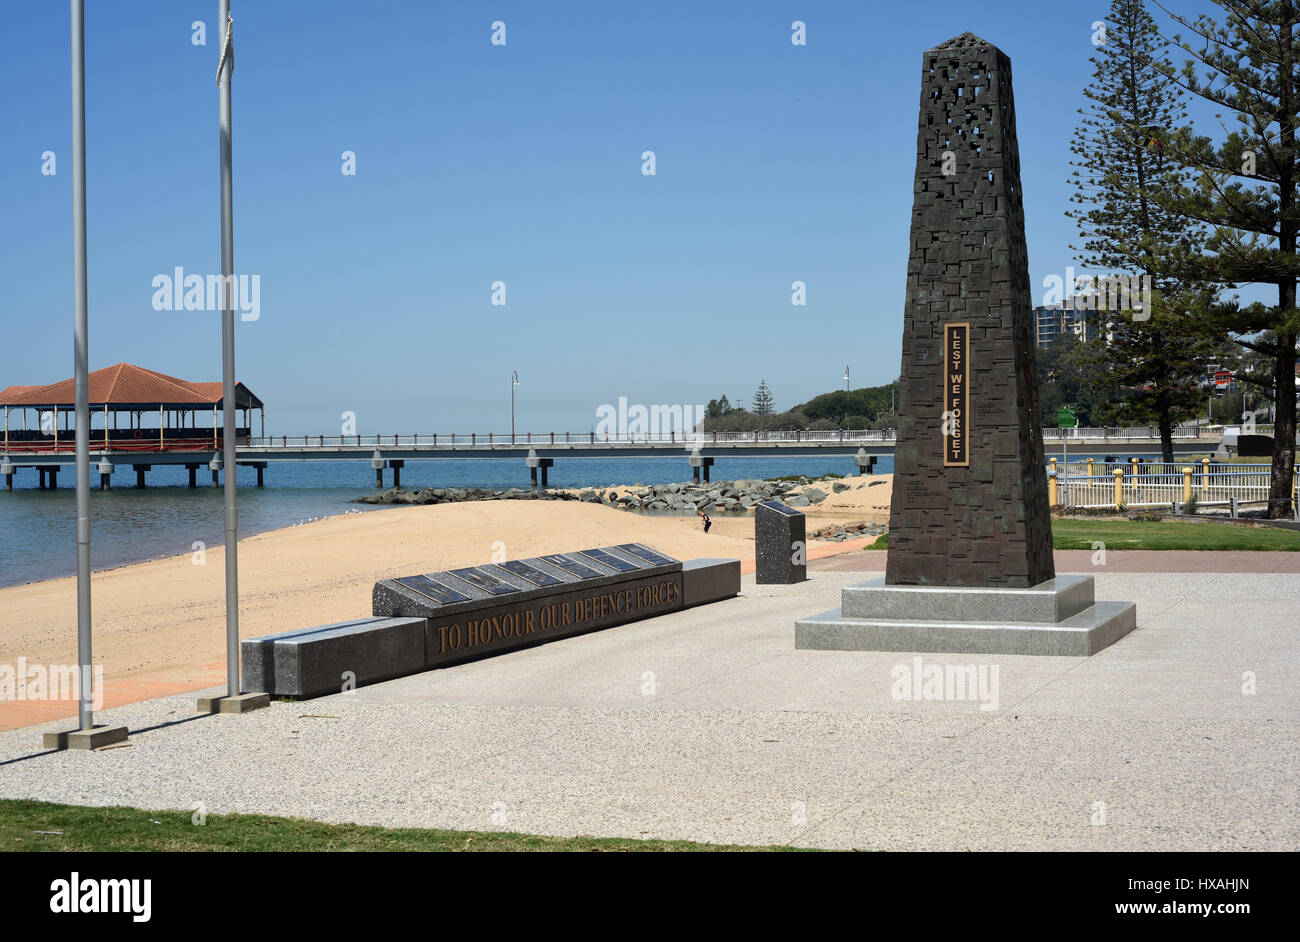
{"x":1119,"y":488}
{"x":1051,"y":486}
{"x":1205,"y":478}
{"x":1187,"y":485}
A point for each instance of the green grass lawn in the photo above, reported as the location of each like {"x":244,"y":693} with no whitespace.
{"x":1171,"y":535}
{"x":129,"y":829}
{"x":1128,"y":534}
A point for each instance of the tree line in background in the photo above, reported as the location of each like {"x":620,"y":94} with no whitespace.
{"x":1198,"y":217}
{"x":870,"y":407}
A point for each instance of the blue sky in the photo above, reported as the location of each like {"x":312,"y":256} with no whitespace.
{"x":519,"y":163}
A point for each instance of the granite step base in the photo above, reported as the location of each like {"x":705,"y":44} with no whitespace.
{"x":875,"y":617}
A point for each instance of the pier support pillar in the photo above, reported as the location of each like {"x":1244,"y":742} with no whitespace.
{"x":699,"y":463}
{"x":533,"y":461}
{"x":103,"y":481}
{"x":260,"y":469}
{"x":105,"y":469}
{"x":193,"y":470}
{"x":215,"y":481}
{"x":379,"y":477}
{"x":40,"y":472}
{"x":8,"y":471}
{"x":140,"y":469}
{"x":54,"y":479}
{"x":397,"y":472}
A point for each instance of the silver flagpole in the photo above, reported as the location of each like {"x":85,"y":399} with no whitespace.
{"x":233,"y":701}
{"x":79,"y":332}
{"x":225,"y":69}
{"x":86,"y":735}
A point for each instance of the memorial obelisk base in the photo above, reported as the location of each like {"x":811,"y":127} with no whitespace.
{"x":1058,"y":617}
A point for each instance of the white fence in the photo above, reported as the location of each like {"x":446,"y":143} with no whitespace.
{"x":1160,"y":484}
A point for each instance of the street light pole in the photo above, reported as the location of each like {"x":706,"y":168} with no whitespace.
{"x":514,"y":381}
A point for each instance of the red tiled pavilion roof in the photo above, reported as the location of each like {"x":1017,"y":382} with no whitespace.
{"x":126,"y":384}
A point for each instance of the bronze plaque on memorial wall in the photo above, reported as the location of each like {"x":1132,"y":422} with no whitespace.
{"x":956,"y":395}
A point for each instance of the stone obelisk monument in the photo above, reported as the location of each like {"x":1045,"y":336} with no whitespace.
{"x":970,"y":488}
{"x":970,"y":534}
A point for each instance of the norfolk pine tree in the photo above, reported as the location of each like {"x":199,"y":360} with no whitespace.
{"x":1245,"y":190}
{"x":1157,"y":353}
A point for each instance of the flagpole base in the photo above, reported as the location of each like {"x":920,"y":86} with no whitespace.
{"x":94,"y":738}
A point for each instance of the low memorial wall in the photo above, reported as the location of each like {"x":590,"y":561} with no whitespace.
{"x":442,"y":618}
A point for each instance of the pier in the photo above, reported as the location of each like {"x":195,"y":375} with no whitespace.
{"x":533,"y":450}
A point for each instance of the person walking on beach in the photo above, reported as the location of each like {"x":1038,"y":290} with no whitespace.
{"x":707,"y":522}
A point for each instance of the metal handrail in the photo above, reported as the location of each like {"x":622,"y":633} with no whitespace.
{"x":498,"y":440}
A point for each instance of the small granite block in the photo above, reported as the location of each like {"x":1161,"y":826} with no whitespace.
{"x":312,"y":662}
{"x":709,"y":580}
{"x":779,"y":540}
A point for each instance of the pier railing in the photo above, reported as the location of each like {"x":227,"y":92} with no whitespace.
{"x":463,"y":439}
{"x":148,"y":443}
{"x":845,"y":436}
{"x":188,"y":440}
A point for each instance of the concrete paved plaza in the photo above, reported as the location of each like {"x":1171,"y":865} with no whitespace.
{"x":708,"y":725}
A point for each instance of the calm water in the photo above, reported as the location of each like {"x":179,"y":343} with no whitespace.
{"x":38,"y":528}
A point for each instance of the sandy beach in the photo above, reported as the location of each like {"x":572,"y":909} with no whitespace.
{"x":160,"y":625}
